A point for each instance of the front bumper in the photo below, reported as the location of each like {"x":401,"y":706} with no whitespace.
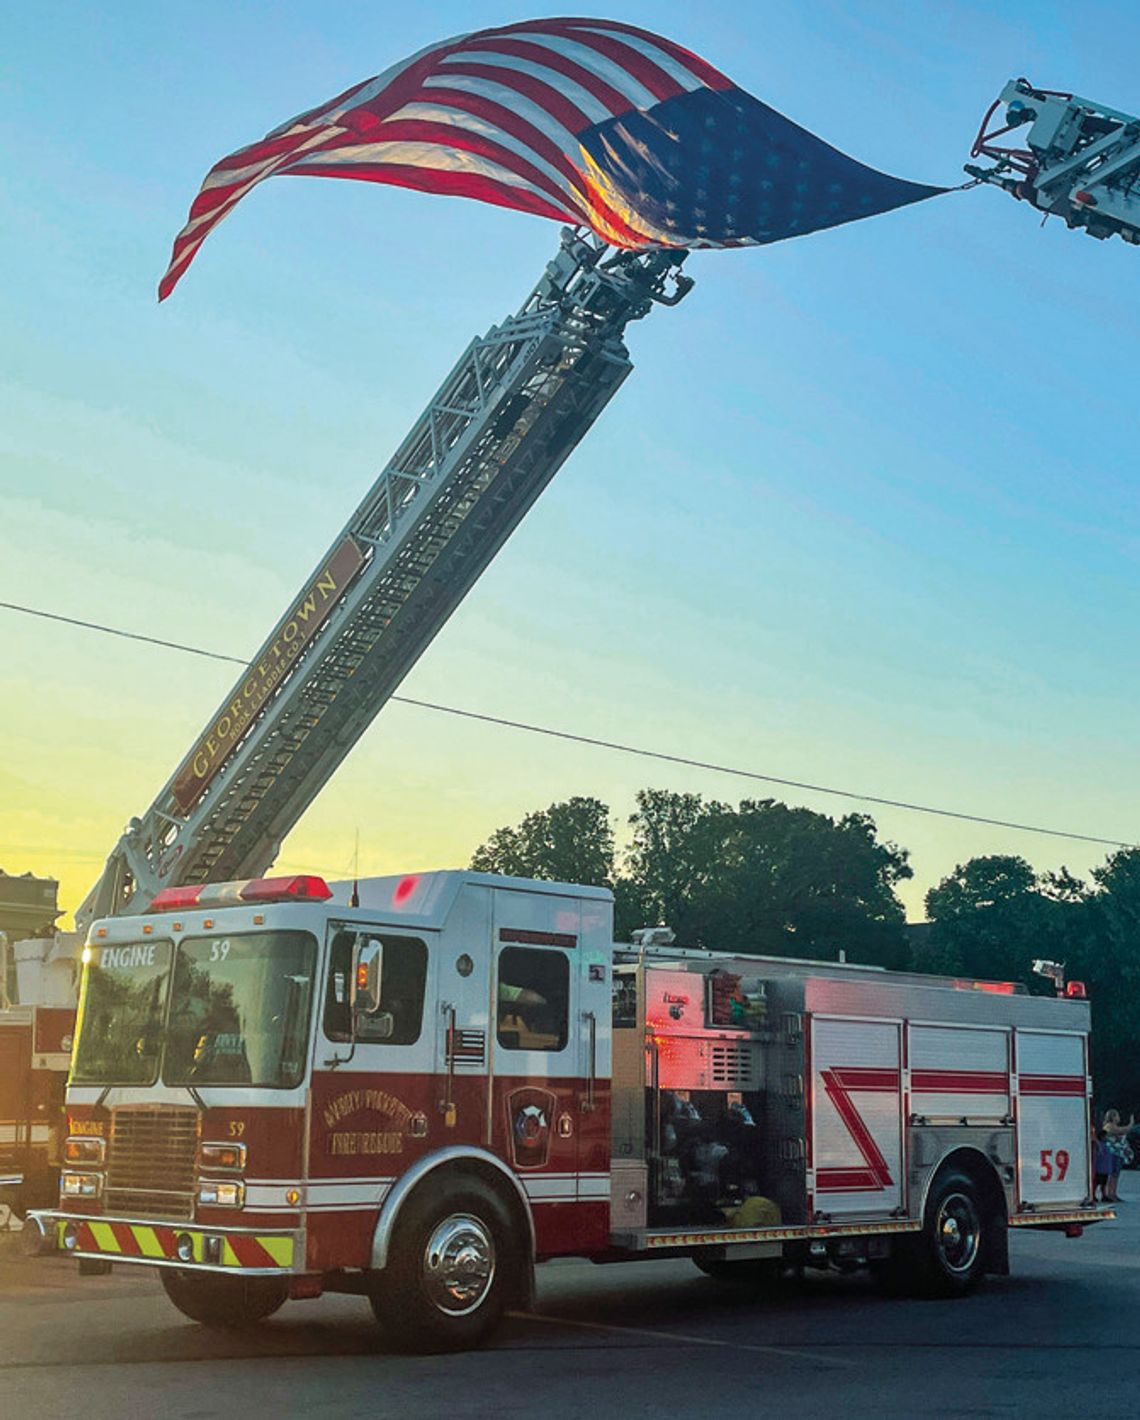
{"x":191,"y":1246}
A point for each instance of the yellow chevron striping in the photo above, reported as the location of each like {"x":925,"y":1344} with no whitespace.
{"x":104,"y":1235}
{"x":279,"y":1249}
{"x":148,"y":1242}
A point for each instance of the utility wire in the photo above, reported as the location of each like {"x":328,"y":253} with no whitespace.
{"x":617,"y":746}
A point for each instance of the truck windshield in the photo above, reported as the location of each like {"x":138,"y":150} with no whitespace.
{"x":121,"y":1007}
{"x":239,"y":1009}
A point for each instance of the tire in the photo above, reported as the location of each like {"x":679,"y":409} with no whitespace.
{"x":227,"y":1303}
{"x":453,"y":1265}
{"x":948,"y":1258}
{"x":756,"y":1272}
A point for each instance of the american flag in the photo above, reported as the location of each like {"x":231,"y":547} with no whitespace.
{"x":584,"y":121}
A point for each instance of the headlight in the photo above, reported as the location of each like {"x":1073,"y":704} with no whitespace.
{"x":84,"y":1150}
{"x":221,"y":1156}
{"x":221,"y":1193}
{"x":80,"y":1185}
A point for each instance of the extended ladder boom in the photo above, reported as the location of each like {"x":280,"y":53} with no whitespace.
{"x":503,"y":421}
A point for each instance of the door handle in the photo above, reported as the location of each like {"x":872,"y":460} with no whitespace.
{"x":590,"y":1102}
{"x":447,"y":1105}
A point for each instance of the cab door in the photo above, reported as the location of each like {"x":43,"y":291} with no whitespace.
{"x":540,"y":1088}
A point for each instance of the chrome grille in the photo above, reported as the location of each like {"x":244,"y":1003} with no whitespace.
{"x":150,"y":1164}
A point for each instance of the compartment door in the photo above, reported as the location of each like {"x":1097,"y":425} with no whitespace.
{"x":1052,"y":1118}
{"x":856,"y":1108}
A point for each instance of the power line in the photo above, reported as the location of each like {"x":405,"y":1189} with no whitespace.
{"x":638,"y":750}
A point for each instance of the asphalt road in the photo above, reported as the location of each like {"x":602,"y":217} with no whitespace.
{"x":1057,"y":1338}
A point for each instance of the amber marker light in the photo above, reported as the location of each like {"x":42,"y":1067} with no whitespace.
{"x":221,"y":1156}
{"x":86,"y":1150}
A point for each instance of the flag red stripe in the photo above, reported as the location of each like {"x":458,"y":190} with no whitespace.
{"x":605,"y":93}
{"x":699,"y":68}
{"x":660,"y":84}
{"x":447,"y":184}
{"x":421,"y":130}
{"x":535,"y":139}
{"x":568,"y":114}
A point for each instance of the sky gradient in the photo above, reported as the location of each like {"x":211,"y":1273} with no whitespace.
{"x":866,"y":513}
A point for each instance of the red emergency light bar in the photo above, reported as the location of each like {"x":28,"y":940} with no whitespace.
{"x":299,"y":887}
{"x":996,"y":988}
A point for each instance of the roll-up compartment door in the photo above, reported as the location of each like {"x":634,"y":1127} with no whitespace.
{"x":1053,"y":1129}
{"x":856,"y":1114}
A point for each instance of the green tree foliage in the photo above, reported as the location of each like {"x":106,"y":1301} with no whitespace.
{"x":993,"y":917}
{"x":761,"y":878}
{"x":989,"y":919}
{"x":764,"y":878}
{"x":570,"y":842}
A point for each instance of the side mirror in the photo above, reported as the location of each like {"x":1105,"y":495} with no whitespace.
{"x":367,"y":974}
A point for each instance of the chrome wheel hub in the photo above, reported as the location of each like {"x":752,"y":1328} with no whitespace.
{"x":957,"y":1232}
{"x":459,"y":1264}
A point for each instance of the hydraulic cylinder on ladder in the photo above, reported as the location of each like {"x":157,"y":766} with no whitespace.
{"x":501,"y":424}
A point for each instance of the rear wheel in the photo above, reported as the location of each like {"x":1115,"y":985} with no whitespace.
{"x":452,"y":1267}
{"x":948,"y":1258}
{"x":224,"y":1302}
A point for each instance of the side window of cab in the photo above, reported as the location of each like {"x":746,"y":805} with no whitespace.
{"x":533,"y":999}
{"x":402,"y":988}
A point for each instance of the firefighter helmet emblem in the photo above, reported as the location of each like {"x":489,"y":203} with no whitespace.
{"x":529,"y":1111}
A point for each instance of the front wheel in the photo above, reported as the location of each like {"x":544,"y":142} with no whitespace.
{"x":452,"y":1267}
{"x":227,"y":1303}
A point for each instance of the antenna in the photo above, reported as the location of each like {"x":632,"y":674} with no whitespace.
{"x":354,"y":900}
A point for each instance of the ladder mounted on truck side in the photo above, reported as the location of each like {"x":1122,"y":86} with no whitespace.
{"x":502,"y":423}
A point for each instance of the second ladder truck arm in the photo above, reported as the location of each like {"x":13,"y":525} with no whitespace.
{"x":502,"y":423}
{"x":1076,"y":158}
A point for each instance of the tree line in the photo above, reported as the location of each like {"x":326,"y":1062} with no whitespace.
{"x":765,"y":878}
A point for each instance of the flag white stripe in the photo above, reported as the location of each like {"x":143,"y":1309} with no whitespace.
{"x":473,"y":123}
{"x":259,"y":171}
{"x":673,"y":67}
{"x":593,"y":108}
{"x":427,"y":155}
{"x":526,"y":108}
{"x":613,"y":73}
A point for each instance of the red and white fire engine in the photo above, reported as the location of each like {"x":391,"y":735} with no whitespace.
{"x":417,"y":1088}
{"x":35,"y":1047}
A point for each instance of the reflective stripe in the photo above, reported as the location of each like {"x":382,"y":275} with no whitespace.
{"x":148,"y":1242}
{"x":158,"y":1243}
{"x":104,"y":1235}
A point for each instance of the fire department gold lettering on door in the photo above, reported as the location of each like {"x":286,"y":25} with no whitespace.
{"x":306,"y":616}
{"x":356,"y":1142}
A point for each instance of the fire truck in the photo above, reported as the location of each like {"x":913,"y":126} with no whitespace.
{"x":36,"y":1033}
{"x":417,"y":1088}
{"x":281,"y":1087}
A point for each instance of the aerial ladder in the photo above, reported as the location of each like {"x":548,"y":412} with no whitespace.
{"x":511,"y":411}
{"x":1077,"y":159}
